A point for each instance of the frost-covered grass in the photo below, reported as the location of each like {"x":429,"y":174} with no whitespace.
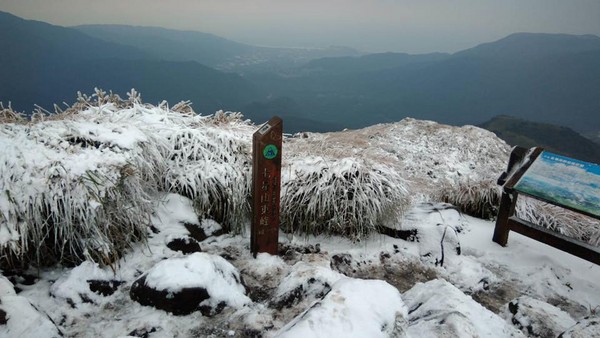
{"x":80,"y":183}
{"x":479,"y":198}
{"x":563,"y":221}
{"x":346,"y":196}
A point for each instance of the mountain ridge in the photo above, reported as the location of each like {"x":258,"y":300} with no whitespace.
{"x":556,"y":139}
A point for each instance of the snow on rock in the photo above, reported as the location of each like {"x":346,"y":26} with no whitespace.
{"x":353,"y":308}
{"x":439,"y":309}
{"x":586,"y":328}
{"x":536,"y":318}
{"x":305,"y":283}
{"x":438,"y":226}
{"x":18,"y":318}
{"x":199,"y":281}
{"x":75,"y":286}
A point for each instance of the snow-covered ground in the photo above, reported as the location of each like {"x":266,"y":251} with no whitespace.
{"x":88,"y":186}
{"x":381,"y":287}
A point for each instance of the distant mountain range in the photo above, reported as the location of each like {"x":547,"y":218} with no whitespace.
{"x":209,"y":49}
{"x":541,"y":77}
{"x":556,"y":139}
{"x":549,"y":78}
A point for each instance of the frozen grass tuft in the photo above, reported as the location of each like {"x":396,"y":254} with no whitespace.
{"x":563,"y":221}
{"x":212,"y":167}
{"x":78,"y":184}
{"x":478,"y":198}
{"x":346,"y":196}
{"x":8,"y":115}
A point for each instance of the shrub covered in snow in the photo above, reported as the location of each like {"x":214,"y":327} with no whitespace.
{"x":563,"y":221}
{"x":480,"y":198}
{"x":77,"y":185}
{"x":345,"y":196}
{"x":212,"y":167}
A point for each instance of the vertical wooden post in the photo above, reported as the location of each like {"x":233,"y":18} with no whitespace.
{"x":266,"y":186}
{"x":507,"y":209}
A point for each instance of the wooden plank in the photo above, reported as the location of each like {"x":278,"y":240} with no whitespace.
{"x":559,"y":241}
{"x":266,"y":186}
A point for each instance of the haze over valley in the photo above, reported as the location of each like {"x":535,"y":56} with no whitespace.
{"x":544,"y":78}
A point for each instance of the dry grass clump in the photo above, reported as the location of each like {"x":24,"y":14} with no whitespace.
{"x":8,"y":115}
{"x":347,"y":196}
{"x":479,"y":198}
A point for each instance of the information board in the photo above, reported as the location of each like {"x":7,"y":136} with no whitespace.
{"x":564,"y":181}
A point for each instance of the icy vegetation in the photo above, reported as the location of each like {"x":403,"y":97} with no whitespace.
{"x":119,"y":218}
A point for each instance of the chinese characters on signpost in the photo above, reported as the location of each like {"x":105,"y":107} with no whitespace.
{"x":266,"y":184}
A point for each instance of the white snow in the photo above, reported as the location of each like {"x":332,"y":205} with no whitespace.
{"x":388,"y":286}
{"x":220,"y":279}
{"x":23,"y":320}
{"x":353,"y":308}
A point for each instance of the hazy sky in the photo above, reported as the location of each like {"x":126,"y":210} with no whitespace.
{"x":413,"y":26}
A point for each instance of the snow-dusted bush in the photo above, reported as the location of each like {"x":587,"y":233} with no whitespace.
{"x":73,"y":189}
{"x":77,"y":185}
{"x":345,"y":196}
{"x":480,"y":198}
{"x":211,"y":166}
{"x":563,"y":221}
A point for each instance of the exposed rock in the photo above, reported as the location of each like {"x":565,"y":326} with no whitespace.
{"x":195,"y":231}
{"x":342,"y":263}
{"x":536,"y":318}
{"x":305,"y":283}
{"x":207,"y":228}
{"x":186,"y":245}
{"x":181,"y":302}
{"x":104,"y":287}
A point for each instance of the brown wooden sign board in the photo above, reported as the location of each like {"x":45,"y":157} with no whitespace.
{"x":266,"y":186}
{"x":507,"y":220}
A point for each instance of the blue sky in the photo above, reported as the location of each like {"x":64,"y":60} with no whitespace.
{"x":414,"y":26}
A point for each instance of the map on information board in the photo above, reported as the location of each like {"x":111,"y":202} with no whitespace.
{"x":563,"y":180}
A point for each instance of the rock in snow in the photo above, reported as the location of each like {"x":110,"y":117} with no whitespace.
{"x":353,"y":308}
{"x":438,"y":309}
{"x":537,"y":318}
{"x":18,"y":318}
{"x":199,"y":281}
{"x":588,"y":327}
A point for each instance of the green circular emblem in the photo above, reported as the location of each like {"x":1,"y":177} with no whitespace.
{"x":270,"y":152}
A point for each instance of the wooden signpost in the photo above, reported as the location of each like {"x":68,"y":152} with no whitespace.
{"x":555,"y":179}
{"x":266,"y":185}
